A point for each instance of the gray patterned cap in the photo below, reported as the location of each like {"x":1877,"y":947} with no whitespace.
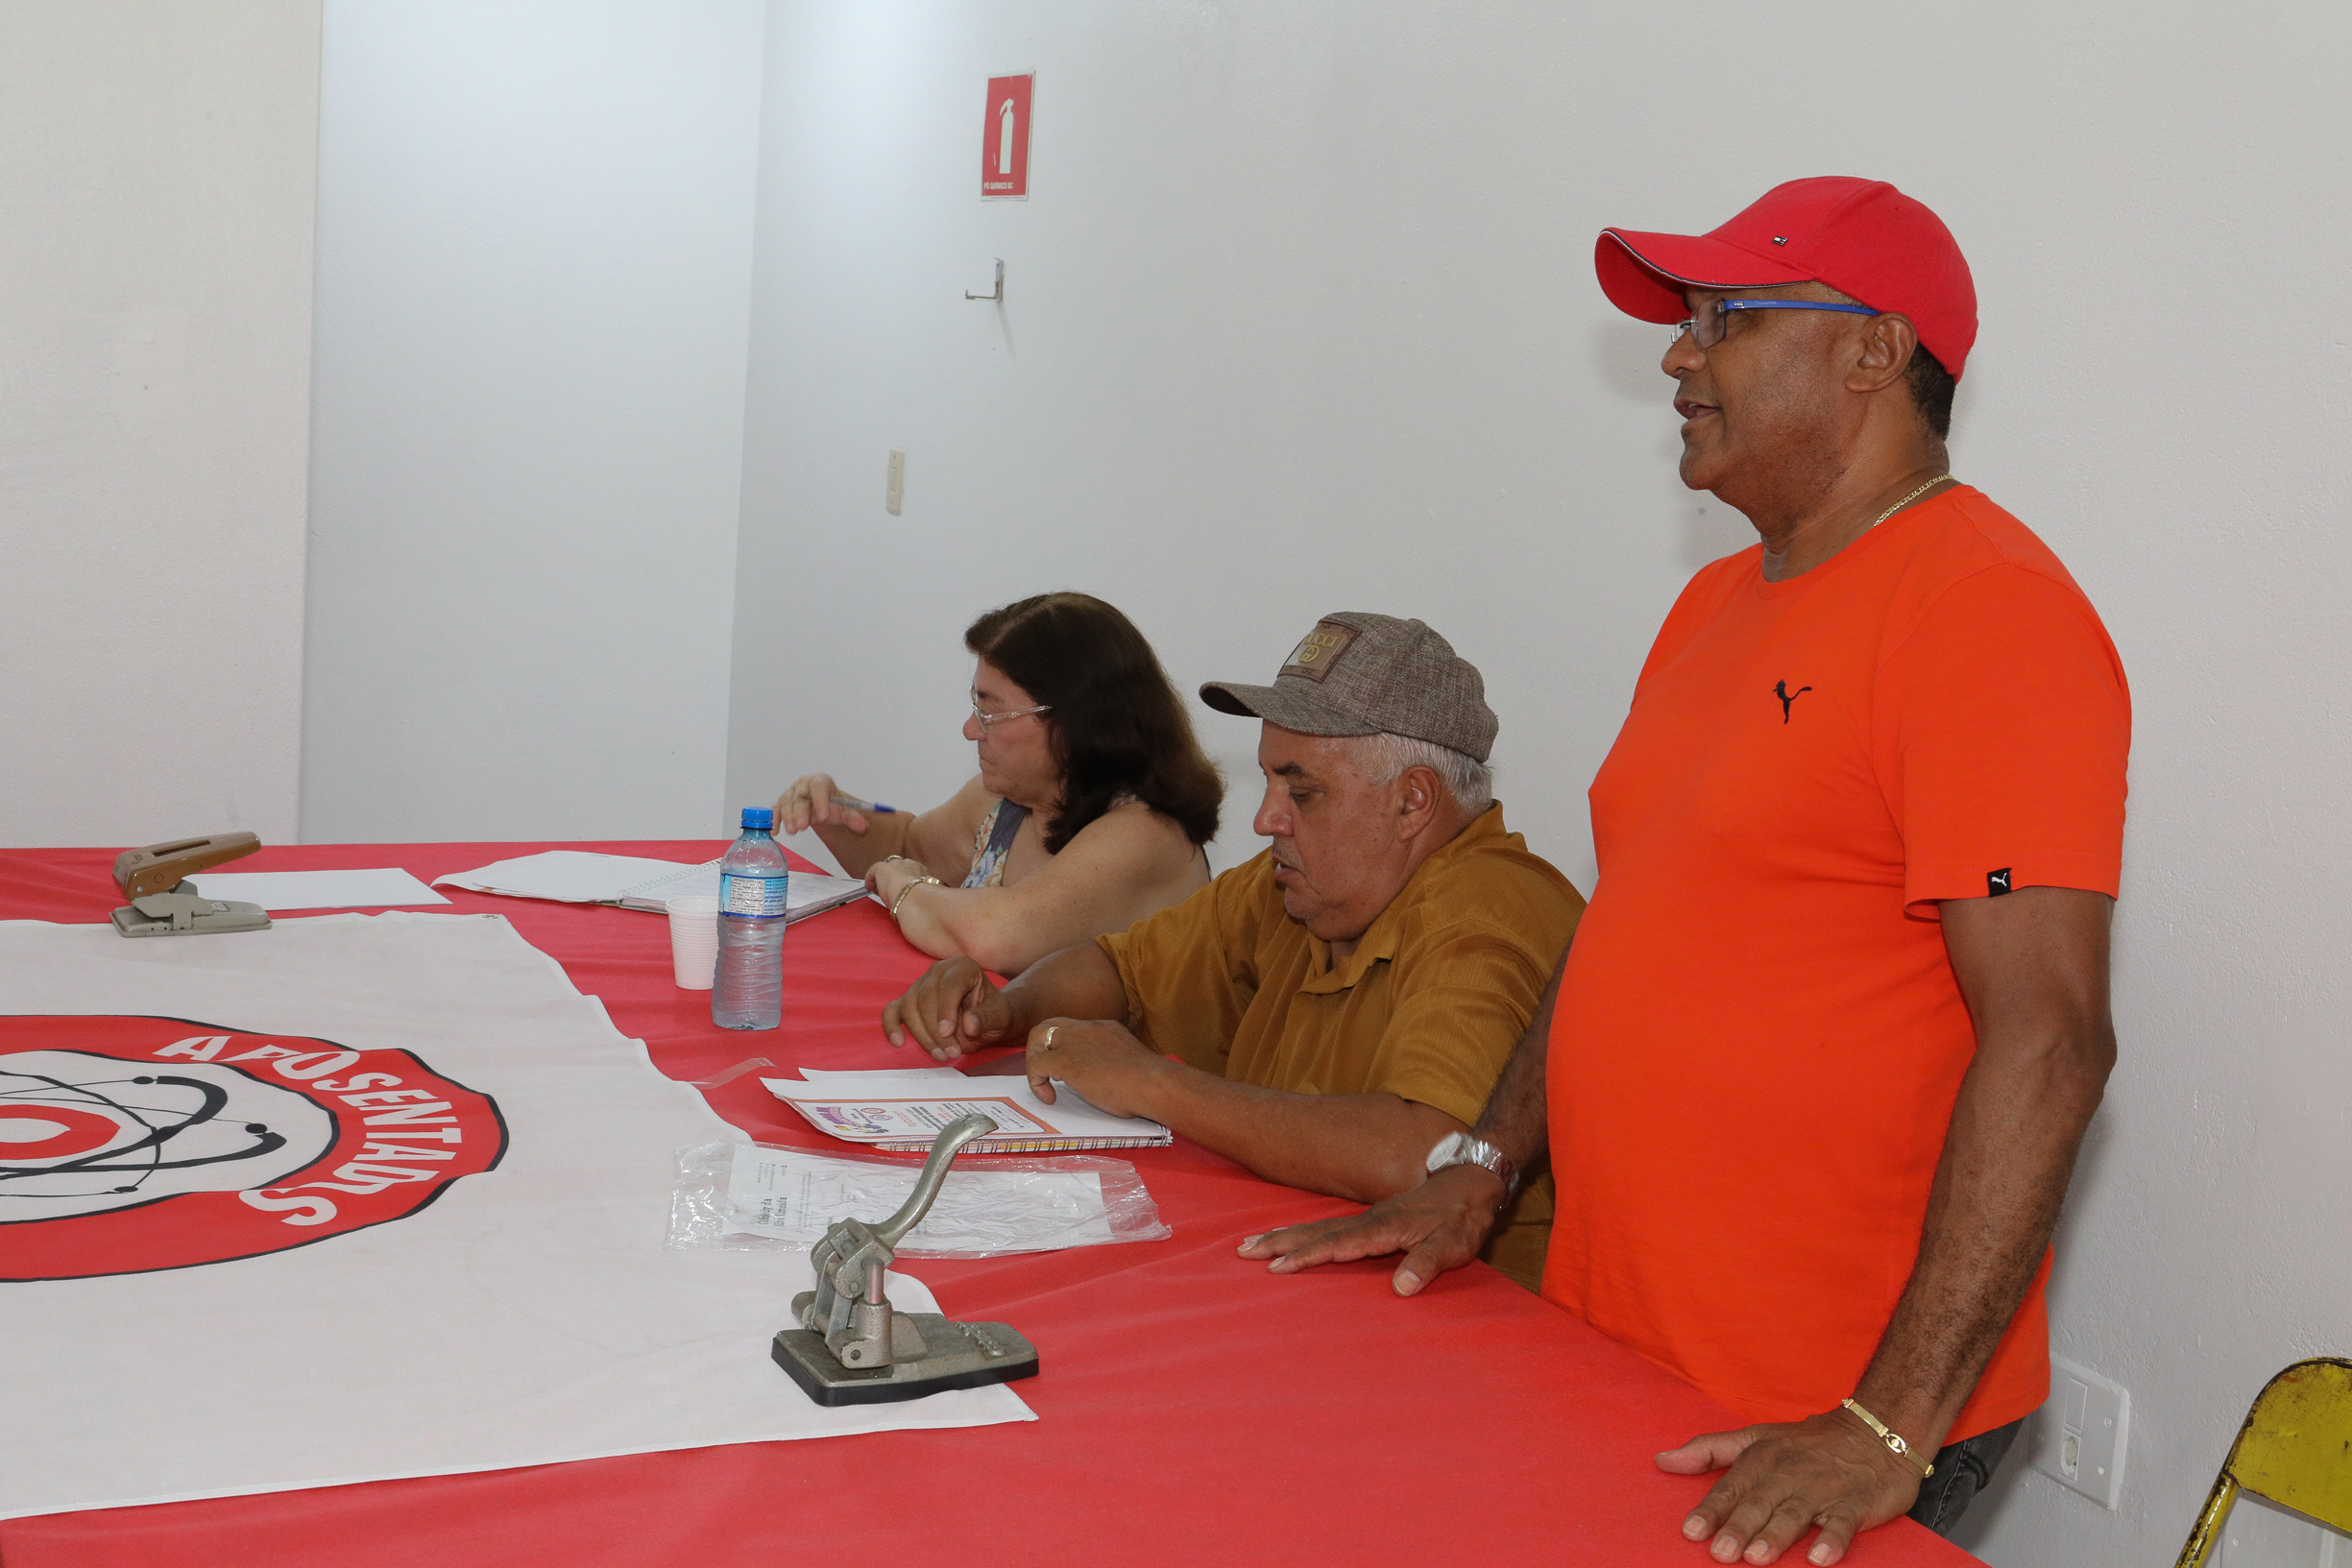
{"x":1359,"y":673}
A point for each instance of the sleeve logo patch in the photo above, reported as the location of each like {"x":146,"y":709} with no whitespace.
{"x":1997,"y":883}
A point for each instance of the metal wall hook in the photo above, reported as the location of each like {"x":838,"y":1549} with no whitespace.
{"x":998,"y":298}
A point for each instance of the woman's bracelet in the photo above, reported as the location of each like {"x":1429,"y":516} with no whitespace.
{"x":911,"y":884}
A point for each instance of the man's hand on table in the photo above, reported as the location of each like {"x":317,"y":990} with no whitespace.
{"x":1439,"y":1225}
{"x":953,"y":1010}
{"x":1786,"y":1476}
{"x":1103,"y":1061}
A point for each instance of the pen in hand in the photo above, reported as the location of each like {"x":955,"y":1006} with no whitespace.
{"x":869,"y":807}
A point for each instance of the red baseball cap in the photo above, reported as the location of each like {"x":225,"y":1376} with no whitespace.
{"x":1862,"y":237}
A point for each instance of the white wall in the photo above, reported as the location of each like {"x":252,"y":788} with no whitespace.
{"x":1301,"y":316}
{"x":155,"y":204}
{"x":1281,"y":337}
{"x":534,"y":265}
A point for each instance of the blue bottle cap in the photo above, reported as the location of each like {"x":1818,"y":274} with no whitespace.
{"x":761,"y":817}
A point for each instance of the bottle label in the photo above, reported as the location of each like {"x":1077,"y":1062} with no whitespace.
{"x":762,"y":898}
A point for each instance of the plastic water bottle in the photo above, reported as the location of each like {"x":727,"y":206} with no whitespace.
{"x":749,"y":992}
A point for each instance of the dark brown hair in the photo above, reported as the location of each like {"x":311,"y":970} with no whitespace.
{"x":1117,"y":726}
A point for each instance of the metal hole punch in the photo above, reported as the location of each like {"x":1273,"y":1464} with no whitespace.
{"x":854,"y":1348}
{"x":163,"y":905}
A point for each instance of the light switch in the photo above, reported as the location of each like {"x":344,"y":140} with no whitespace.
{"x":895,"y":490}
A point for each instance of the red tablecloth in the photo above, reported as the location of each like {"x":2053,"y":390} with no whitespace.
{"x":1192,"y":1408}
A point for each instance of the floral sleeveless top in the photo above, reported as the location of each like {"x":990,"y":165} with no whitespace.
{"x":997,"y":832}
{"x":993,"y":843}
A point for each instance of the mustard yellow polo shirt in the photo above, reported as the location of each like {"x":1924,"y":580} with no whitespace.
{"x":1427,"y":1007}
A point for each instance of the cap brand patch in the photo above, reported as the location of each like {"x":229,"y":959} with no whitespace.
{"x":1319,"y":650}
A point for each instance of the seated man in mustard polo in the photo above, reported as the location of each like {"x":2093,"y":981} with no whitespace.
{"x":1340,"y":1005}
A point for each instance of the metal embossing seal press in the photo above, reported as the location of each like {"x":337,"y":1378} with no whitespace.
{"x":853,"y":1348}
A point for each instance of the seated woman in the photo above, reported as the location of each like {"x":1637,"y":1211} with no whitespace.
{"x":1090,"y":811}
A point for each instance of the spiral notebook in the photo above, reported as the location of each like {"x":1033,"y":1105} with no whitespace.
{"x":901,"y":1113}
{"x":807,"y":892}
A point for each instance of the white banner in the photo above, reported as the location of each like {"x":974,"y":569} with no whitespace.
{"x":354,"y":1198}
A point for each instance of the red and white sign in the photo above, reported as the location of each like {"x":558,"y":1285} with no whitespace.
{"x":1003,"y":147}
{"x":130,"y":1145}
{"x":323,"y":1104}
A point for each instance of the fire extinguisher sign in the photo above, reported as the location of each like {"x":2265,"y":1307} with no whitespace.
{"x":1004,"y":157}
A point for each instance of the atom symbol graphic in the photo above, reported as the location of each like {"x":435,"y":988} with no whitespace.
{"x":145,"y":1155}
{"x":81,"y":1133}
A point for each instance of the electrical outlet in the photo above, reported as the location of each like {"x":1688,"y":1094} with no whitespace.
{"x":895,"y":490}
{"x":2078,"y":1435}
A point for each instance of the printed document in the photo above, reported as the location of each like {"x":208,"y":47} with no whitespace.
{"x":795,"y":1196}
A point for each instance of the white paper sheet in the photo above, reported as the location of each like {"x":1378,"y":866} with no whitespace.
{"x":580,"y":877}
{"x":383,"y":888}
{"x":565,"y":876}
{"x":850,"y":1083}
{"x":795,"y":1197}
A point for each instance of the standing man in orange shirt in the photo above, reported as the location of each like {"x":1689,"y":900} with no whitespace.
{"x":1813,"y":1072}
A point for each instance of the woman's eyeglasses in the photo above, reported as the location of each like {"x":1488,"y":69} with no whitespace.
{"x":990,"y":721}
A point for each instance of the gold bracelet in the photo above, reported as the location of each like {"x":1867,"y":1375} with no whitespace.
{"x":1893,"y":1441}
{"x":911,"y":886}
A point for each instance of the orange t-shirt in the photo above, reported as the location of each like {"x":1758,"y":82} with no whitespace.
{"x":1760,"y":1038}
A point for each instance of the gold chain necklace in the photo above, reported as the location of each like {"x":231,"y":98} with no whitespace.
{"x":1906,"y":500}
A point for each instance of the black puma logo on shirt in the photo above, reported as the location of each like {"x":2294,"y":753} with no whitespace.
{"x":1788,"y":698}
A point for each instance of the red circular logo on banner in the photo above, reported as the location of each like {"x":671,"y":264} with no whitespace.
{"x":129,"y":1144}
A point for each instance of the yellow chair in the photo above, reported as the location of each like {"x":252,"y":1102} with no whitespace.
{"x":2296,"y":1449}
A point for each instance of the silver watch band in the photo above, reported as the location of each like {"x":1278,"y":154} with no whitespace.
{"x":1463,"y":1149}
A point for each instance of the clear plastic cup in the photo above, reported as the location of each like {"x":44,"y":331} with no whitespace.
{"x":693,"y":941}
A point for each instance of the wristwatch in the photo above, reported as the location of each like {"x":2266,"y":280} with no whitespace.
{"x":1461,"y":1149}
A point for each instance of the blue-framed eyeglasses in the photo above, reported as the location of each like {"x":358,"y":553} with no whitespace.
{"x":1714,"y":317}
